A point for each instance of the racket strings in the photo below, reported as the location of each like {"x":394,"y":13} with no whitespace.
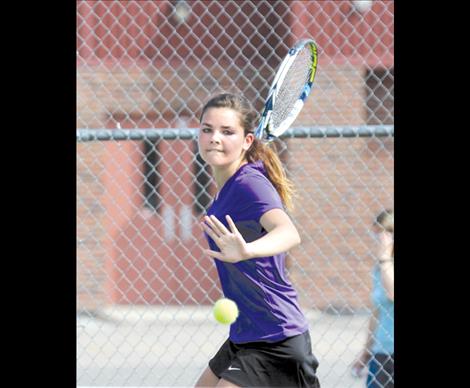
{"x":291,"y":88}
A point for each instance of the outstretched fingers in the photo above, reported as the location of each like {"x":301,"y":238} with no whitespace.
{"x":218,"y":226}
{"x":215,"y":225}
{"x":231,"y":224}
{"x":211,"y":253}
{"x":213,"y":235}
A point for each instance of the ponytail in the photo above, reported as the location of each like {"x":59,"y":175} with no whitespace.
{"x":274,"y":170}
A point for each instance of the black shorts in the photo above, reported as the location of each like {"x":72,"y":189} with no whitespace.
{"x":287,"y":363}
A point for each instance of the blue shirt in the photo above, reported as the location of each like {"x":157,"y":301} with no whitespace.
{"x":384,"y":332}
{"x":267,"y":301}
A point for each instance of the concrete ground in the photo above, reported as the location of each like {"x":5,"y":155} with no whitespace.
{"x":170,"y":346}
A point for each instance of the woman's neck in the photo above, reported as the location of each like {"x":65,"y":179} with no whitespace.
{"x":222,"y":175}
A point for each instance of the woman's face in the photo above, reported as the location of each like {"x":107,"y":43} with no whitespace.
{"x":222,"y":142}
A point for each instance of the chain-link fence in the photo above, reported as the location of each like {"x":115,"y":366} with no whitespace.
{"x":144,"y":71}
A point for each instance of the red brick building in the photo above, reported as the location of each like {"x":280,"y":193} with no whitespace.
{"x":140,"y":66}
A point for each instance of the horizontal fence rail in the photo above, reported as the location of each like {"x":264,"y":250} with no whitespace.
{"x":84,"y":135}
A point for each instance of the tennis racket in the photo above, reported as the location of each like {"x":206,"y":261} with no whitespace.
{"x":289,"y":90}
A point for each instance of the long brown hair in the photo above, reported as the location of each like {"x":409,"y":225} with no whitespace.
{"x":258,"y":150}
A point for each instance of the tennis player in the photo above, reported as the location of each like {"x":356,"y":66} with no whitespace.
{"x":249,"y":233}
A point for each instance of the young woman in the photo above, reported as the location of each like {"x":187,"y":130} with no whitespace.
{"x":248,"y":232}
{"x":378,"y":352}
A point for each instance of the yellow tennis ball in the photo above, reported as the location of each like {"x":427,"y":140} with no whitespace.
{"x":225,"y":311}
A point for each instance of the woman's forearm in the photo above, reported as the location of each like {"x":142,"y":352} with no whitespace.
{"x":278,"y":240}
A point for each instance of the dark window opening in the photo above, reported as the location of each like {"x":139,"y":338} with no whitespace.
{"x":151,"y":175}
{"x":380,"y":96}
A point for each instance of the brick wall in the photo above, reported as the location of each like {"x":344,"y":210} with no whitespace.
{"x":90,"y":231}
{"x":341,"y":186}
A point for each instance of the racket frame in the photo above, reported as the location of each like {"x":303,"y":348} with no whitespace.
{"x":264,"y":128}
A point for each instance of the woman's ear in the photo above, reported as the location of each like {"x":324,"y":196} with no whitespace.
{"x":249,"y":139}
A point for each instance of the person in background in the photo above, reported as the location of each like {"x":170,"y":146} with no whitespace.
{"x":378,"y":352}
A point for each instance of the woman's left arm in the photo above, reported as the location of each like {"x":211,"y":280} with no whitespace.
{"x":281,"y":236}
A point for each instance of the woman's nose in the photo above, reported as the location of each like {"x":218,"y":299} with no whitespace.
{"x":215,"y":137}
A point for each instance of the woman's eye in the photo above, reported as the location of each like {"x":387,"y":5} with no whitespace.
{"x":225,"y":132}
